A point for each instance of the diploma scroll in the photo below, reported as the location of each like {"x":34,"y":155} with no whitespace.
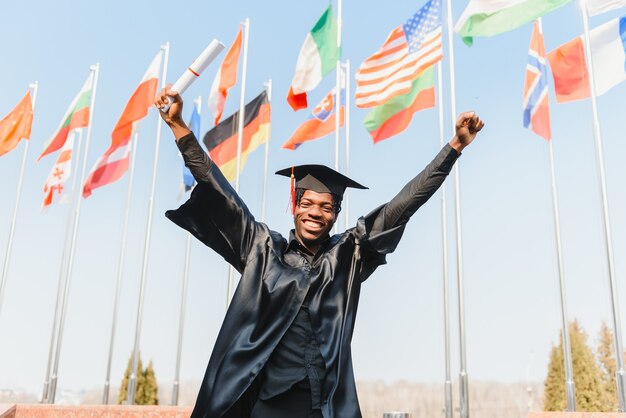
{"x":196,"y":68}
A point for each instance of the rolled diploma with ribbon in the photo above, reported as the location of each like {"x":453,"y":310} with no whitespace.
{"x":195,"y":69}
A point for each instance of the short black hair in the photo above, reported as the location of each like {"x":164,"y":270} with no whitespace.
{"x":336,"y":200}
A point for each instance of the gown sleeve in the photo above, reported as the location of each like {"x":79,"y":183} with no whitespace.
{"x":214,"y":213}
{"x":380,"y":231}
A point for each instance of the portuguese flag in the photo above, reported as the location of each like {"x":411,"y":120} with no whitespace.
{"x":221,"y":141}
{"x":77,"y":116}
{"x":395,"y":115}
{"x":318,"y":57}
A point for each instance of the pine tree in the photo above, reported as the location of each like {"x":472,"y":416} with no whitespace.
{"x":608,"y":367}
{"x":150,"y":387}
{"x":554,"y":386}
{"x":590,"y":394}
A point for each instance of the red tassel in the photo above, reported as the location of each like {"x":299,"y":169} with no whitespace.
{"x":293,"y":191}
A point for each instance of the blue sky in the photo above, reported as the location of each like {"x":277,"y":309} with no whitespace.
{"x":511,"y":287}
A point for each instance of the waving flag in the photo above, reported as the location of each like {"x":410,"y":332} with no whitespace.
{"x":194,"y":125}
{"x":16,"y":125}
{"x":569,"y":64}
{"x":61,"y":171}
{"x":225,"y":79}
{"x":393,"y":117}
{"x":493,"y":17}
{"x":536,"y":113}
{"x":318,"y":56}
{"x":596,"y":7}
{"x":76,"y":117}
{"x":221,"y":141}
{"x":409,"y":50}
{"x":321,"y":121}
{"x":112,"y":165}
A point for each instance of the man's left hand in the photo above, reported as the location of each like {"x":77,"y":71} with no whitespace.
{"x":467,"y":127}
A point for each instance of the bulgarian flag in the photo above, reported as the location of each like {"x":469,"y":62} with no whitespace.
{"x":76,"y":117}
{"x":492,"y":17}
{"x":16,"y":125}
{"x":112,"y":165}
{"x":318,"y":56}
{"x":225,"y":79}
{"x":395,"y":115}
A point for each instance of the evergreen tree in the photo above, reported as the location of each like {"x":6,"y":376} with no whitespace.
{"x":588,"y":382}
{"x":150,"y":387}
{"x":606,"y":359}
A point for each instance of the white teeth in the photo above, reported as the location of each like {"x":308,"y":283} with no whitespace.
{"x":313,"y":223}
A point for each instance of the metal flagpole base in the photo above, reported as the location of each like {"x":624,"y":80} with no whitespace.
{"x":44,"y":394}
{"x":53,"y":389}
{"x":448,"y":397}
{"x":105,"y":394}
{"x":464,"y":401}
{"x":621,"y":386}
{"x":132,"y":381}
{"x":570,"y":393}
{"x":175,"y":394}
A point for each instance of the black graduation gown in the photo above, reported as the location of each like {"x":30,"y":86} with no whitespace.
{"x":270,"y":291}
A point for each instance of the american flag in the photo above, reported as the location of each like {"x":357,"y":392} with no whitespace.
{"x":536,"y":113}
{"x":408,"y":50}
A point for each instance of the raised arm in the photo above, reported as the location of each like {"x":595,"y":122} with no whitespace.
{"x":417,"y":191}
{"x":215,"y":214}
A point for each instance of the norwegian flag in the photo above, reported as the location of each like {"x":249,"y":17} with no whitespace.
{"x":536,"y":112}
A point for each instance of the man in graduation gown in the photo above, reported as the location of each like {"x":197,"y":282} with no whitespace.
{"x":284,"y":346}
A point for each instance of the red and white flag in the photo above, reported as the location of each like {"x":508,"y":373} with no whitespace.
{"x":61,"y":171}
{"x":225,"y":79}
{"x":112,"y":165}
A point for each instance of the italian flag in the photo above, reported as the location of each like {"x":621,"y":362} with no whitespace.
{"x":396,"y":114}
{"x":318,"y":57}
{"x":492,"y":17}
{"x":76,"y":117}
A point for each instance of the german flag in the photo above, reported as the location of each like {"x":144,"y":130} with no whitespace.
{"x":221,"y":141}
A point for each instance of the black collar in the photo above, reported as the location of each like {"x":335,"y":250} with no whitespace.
{"x":295,"y":245}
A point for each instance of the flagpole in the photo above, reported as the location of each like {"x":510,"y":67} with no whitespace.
{"x":268,"y":86}
{"x":617,"y":329}
{"x":240,"y":121}
{"x":347,"y":134}
{"x":449,"y":409}
{"x":5,"y":270}
{"x":120,"y":269}
{"x":567,"y":356}
{"x":68,"y":274}
{"x":463,"y":379}
{"x":183,"y":298}
{"x":338,"y":87}
{"x":132,"y":380}
{"x":337,"y":95}
{"x":567,"y":352}
{"x":62,"y":270}
{"x":181,"y":323}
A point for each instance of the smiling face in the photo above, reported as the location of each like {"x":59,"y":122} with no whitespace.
{"x":313,"y":218}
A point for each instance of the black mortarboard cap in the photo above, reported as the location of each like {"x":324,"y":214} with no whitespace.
{"x":320,"y":179}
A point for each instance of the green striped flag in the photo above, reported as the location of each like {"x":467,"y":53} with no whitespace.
{"x":76,"y":116}
{"x":395,"y":115}
{"x":318,"y":57}
{"x":489,"y":17}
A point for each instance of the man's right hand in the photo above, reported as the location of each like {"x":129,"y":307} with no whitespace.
{"x":173,"y":116}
